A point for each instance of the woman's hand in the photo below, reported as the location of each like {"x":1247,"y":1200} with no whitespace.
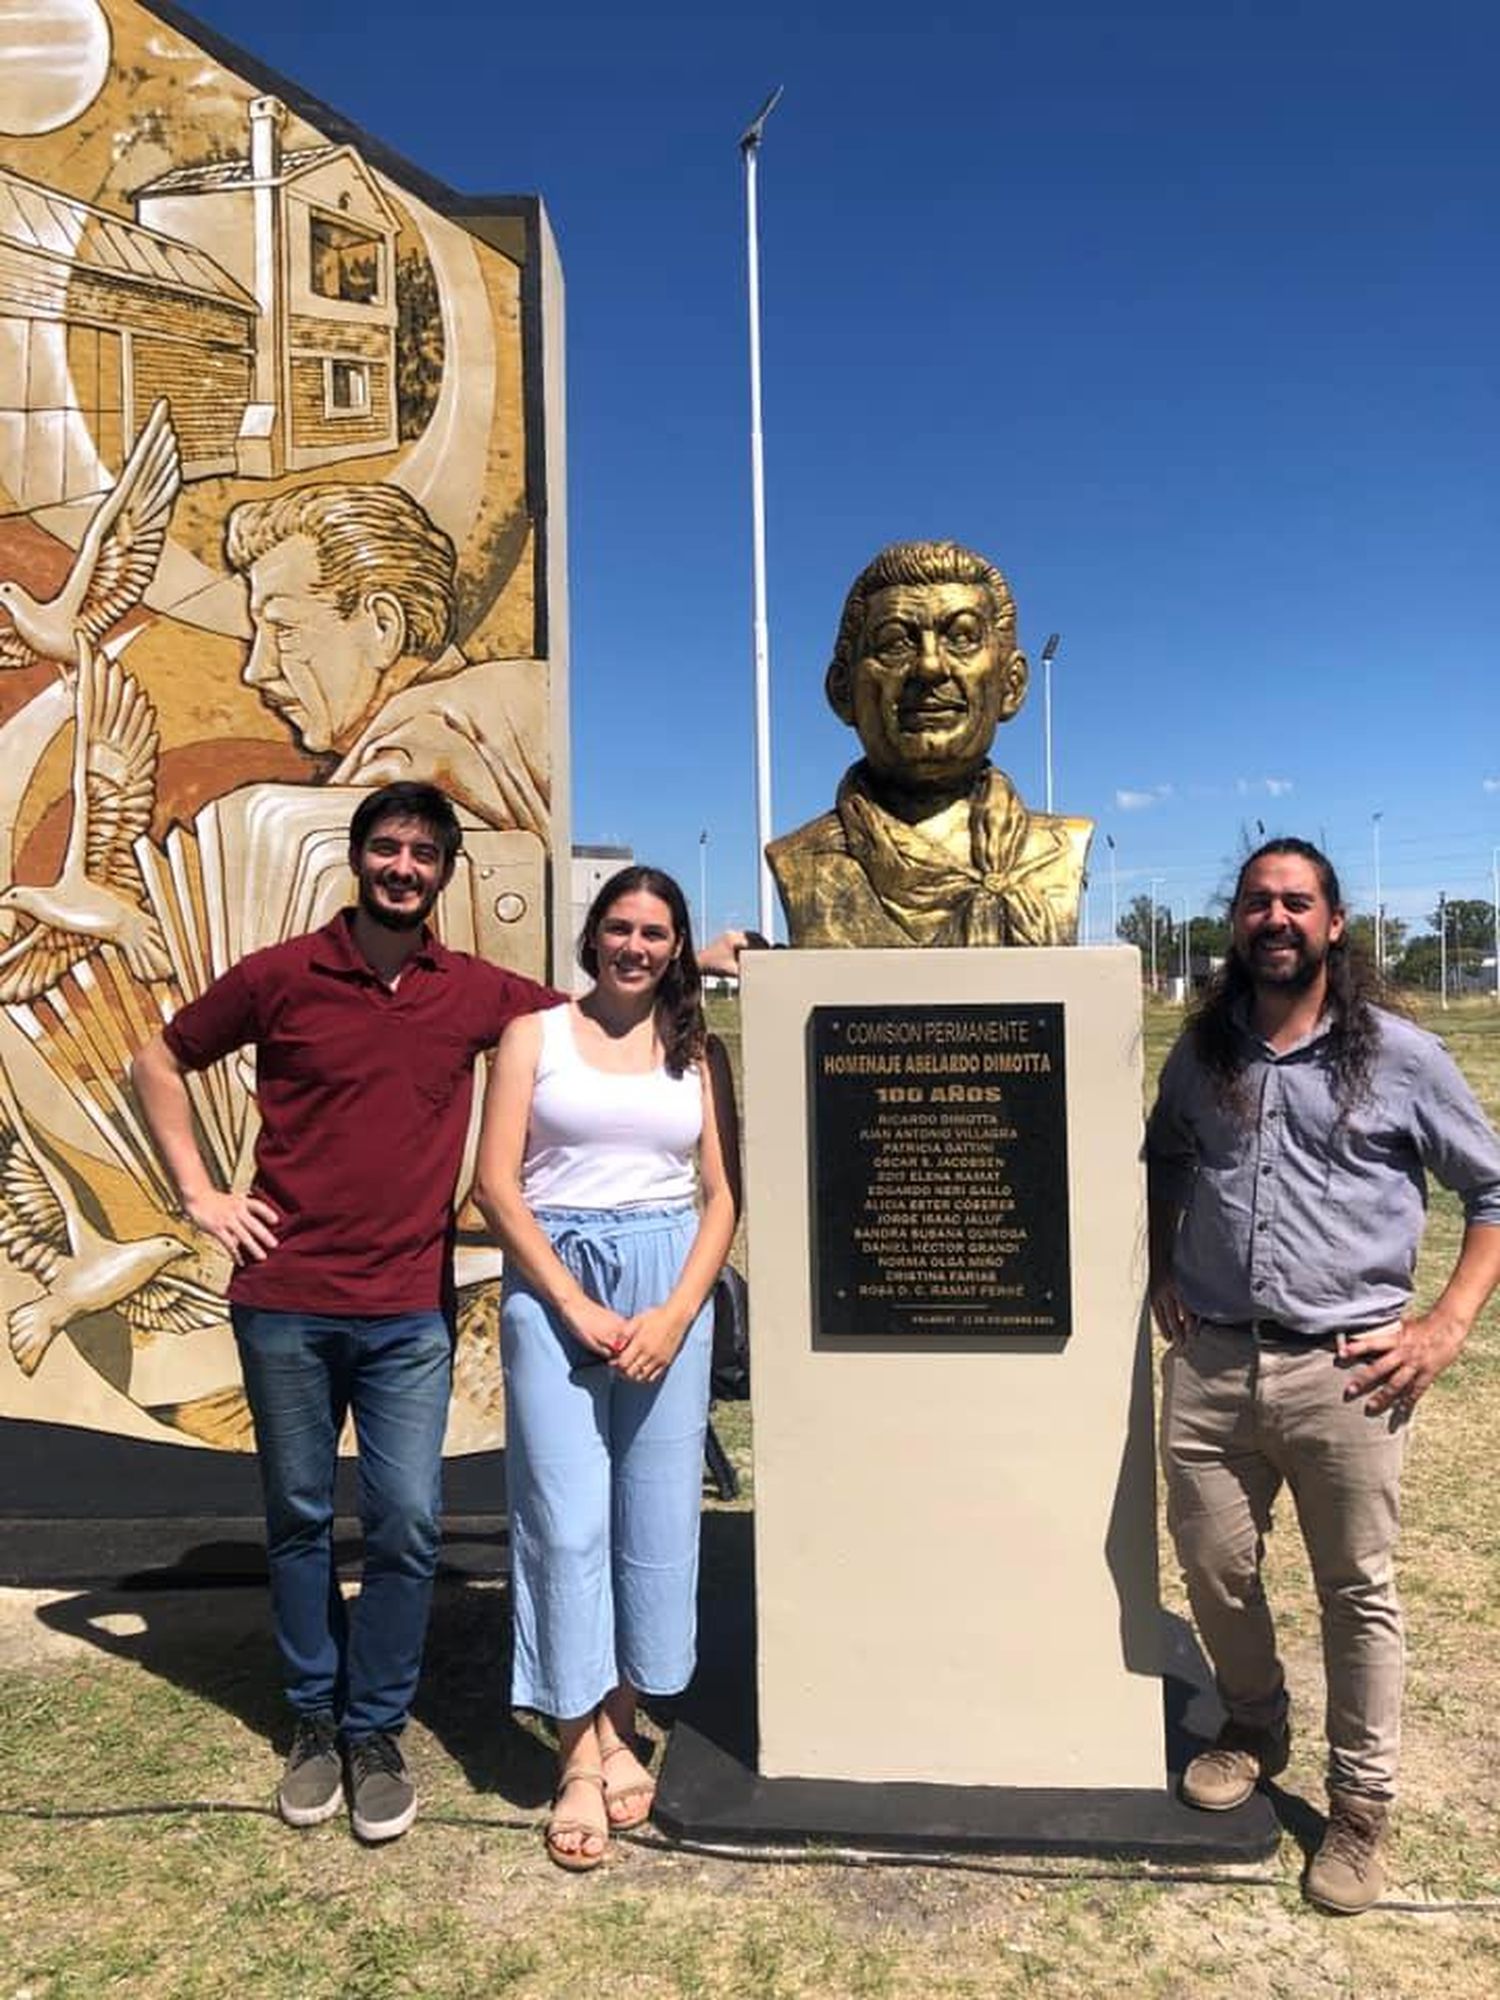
{"x":652,"y":1339}
{"x":596,"y":1327}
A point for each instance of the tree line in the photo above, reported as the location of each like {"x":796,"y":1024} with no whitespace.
{"x":1412,"y":957}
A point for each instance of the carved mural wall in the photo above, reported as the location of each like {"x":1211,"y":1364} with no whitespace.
{"x":273,"y":529}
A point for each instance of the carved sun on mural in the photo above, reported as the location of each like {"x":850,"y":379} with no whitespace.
{"x":54,"y":57}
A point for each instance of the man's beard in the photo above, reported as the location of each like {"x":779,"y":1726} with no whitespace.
{"x":1295,"y":977}
{"x":409,"y":917}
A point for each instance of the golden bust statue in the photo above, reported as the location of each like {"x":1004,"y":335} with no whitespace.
{"x":927,"y":843}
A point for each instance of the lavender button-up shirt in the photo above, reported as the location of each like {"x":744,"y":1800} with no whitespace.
{"x":1302,"y":1212}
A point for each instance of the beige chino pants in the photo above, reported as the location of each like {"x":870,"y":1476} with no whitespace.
{"x":1239,"y":1421}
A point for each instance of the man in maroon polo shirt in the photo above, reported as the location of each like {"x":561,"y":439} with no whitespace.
{"x":365,"y":1034}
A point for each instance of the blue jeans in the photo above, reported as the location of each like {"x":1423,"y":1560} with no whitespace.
{"x":304,"y":1372}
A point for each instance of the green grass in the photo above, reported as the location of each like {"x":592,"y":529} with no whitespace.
{"x":138,"y":1857}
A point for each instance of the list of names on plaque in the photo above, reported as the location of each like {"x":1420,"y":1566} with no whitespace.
{"x":940,"y":1173}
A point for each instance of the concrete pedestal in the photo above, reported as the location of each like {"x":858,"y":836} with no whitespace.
{"x":955,"y":1533}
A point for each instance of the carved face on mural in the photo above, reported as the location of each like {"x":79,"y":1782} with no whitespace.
{"x":316,"y":667}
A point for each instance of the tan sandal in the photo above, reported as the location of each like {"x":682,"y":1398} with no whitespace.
{"x":643,"y":1789}
{"x":577,"y":1860}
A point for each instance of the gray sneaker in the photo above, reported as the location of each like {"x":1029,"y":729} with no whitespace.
{"x":312,"y":1784}
{"x":1223,"y":1776}
{"x":385,"y":1799}
{"x":1347,"y":1874}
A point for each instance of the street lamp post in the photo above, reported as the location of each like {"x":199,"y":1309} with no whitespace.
{"x":749,"y":152}
{"x":1187,"y":954}
{"x":703,"y":883}
{"x":1443,"y":948}
{"x":1375,"y":819}
{"x":1049,"y":654}
{"x":1154,"y":884}
{"x":1495,"y":885}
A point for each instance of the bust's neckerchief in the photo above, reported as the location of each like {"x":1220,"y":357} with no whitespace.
{"x":995,"y":899}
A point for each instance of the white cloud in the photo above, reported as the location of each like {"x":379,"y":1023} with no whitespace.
{"x":1130,"y":802}
{"x":1278,"y":787}
{"x":1274,"y":788}
{"x":1491,"y":784}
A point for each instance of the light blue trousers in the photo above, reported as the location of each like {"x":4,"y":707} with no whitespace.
{"x":604,"y":1477}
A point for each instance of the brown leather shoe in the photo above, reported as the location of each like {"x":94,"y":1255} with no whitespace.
{"x":1223,"y":1776}
{"x":1347,"y":1873}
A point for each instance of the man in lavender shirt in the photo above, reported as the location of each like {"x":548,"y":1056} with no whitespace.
{"x":1287,"y":1152}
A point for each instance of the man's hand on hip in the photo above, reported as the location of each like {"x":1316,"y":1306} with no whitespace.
{"x":1403,"y":1361}
{"x":242,"y":1223}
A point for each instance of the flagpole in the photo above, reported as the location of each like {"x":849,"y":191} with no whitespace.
{"x":766,"y":900}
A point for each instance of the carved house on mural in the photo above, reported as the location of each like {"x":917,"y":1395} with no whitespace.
{"x":310,"y":237}
{"x":98,"y":317}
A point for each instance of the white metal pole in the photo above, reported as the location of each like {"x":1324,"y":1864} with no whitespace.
{"x":1443,"y":947}
{"x":1187,"y":956}
{"x":1375,"y":819}
{"x":1495,"y":883}
{"x":1155,"y":882}
{"x":703,"y":885}
{"x":766,"y":901}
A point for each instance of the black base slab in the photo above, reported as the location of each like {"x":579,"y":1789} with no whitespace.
{"x":710,"y":1791}
{"x":204,"y":1551}
{"x":90,"y":1507}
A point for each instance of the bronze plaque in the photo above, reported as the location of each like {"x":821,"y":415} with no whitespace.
{"x":940,"y":1172}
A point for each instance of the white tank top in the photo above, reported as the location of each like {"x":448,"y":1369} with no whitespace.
{"x":600,"y":1140}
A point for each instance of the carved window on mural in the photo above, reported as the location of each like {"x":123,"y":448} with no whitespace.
{"x":345,"y":261}
{"x":346,"y":389}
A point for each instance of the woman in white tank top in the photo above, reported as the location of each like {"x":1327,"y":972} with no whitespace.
{"x":595,"y":1113}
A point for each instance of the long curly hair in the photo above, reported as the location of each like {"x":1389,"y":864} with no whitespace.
{"x":1354,"y":993}
{"x":679,"y":998}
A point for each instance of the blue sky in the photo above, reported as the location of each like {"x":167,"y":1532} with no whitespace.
{"x":1187,"y":315}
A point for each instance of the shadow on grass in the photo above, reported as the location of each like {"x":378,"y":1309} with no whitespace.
{"x":1299,"y":1817}
{"x":720,"y":1699}
{"x":215,"y":1644}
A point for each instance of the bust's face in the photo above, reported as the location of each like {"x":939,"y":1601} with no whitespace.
{"x":931,"y":682}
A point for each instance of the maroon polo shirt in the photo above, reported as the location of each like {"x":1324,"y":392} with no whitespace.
{"x":364,"y":1101}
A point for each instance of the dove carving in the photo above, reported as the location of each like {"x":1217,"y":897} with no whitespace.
{"x":45,"y":1232}
{"x":116,"y":559}
{"x":96,"y":898}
